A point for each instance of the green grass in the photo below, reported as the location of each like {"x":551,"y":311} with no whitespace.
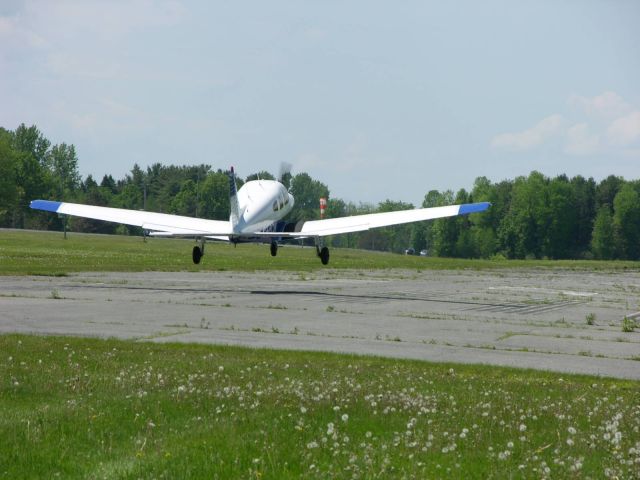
{"x":48,"y":253}
{"x":88,"y":408}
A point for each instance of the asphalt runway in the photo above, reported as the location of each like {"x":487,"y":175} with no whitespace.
{"x":521,"y":318}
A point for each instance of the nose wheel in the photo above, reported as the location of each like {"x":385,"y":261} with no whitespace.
{"x":274,"y":249}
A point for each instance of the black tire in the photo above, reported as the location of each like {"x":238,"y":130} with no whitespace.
{"x":324,"y":255}
{"x":196,"y":254}
{"x":274,"y":249}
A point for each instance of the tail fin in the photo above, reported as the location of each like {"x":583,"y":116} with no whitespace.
{"x":234,"y":216}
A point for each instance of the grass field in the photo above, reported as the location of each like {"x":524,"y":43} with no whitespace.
{"x":48,"y":253}
{"x":87,"y":408}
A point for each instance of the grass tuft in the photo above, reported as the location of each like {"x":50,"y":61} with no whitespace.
{"x":628,"y":325}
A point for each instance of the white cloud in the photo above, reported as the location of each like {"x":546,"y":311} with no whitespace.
{"x":535,"y":136}
{"x":625,"y":131}
{"x":15,"y":35}
{"x":579,"y":140}
{"x":607,"y":105}
{"x":107,"y":20}
{"x":74,"y":33}
{"x":64,"y":64}
{"x":604,"y":124}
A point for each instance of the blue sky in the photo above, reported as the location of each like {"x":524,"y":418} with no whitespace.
{"x":376,"y":99}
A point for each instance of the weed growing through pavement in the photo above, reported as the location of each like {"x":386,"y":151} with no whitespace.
{"x":628,"y":325}
{"x":55,"y":294}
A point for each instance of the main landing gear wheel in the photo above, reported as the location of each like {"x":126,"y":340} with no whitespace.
{"x":274,"y":249}
{"x":196,"y":255}
{"x":324,"y":255}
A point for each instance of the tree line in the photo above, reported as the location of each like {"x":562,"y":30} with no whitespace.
{"x":531,"y":216}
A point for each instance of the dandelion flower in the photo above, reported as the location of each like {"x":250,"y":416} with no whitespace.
{"x":330,"y":428}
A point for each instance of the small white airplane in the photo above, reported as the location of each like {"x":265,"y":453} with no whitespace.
{"x":257,"y":213}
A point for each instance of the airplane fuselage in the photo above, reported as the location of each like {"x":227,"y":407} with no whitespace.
{"x":261,"y":203}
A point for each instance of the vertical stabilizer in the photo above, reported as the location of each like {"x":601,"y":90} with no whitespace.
{"x":234,"y":216}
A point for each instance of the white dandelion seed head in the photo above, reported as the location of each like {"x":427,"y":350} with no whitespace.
{"x":330,"y":427}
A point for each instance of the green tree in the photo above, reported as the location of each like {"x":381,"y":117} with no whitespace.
{"x":441,"y":234}
{"x":307,"y":193}
{"x":109,"y":183}
{"x":8,"y":188}
{"x":607,"y":190}
{"x":603,"y":240}
{"x":30,"y":140}
{"x":214,"y":196}
{"x":522,"y":230}
{"x":396,"y":238}
{"x":62,"y":162}
{"x":561,"y":224}
{"x":185,"y":201}
{"x":584,"y":192}
{"x":92,"y":194}
{"x":32,"y":177}
{"x":626,"y":222}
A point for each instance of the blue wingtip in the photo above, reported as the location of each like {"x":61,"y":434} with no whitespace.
{"x":473,"y":208}
{"x":46,"y":205}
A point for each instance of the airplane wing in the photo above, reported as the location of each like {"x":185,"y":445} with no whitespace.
{"x":358,"y":223}
{"x":163,"y":223}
